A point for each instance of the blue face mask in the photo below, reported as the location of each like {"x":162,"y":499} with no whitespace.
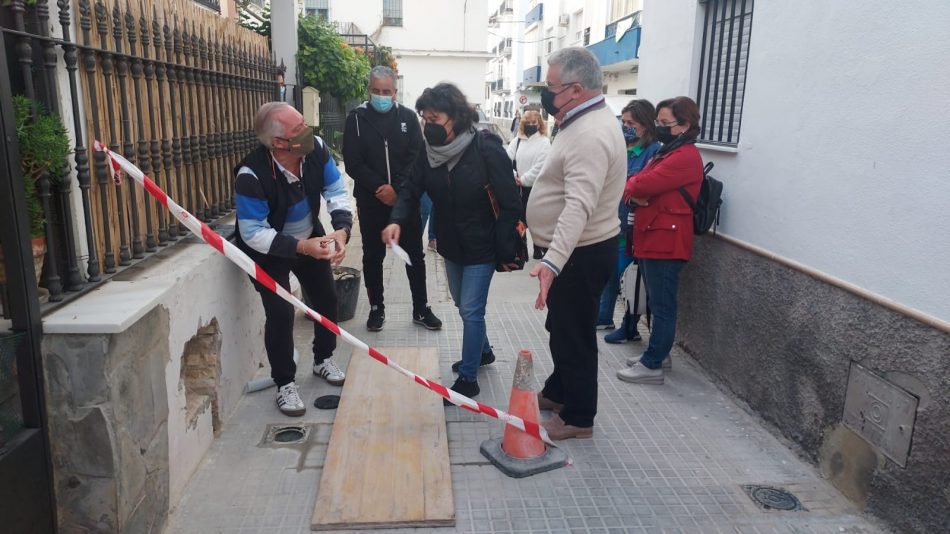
{"x":629,"y":134}
{"x":381,"y":103}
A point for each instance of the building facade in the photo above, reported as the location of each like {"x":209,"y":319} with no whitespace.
{"x":827,"y":267}
{"x":427,"y":49}
{"x":523,"y":33}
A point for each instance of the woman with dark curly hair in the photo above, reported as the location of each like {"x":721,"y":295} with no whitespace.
{"x":461,"y":169}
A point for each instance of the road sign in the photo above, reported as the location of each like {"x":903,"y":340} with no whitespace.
{"x":523,"y":99}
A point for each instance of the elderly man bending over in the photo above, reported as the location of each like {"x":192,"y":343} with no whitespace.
{"x":278,"y":188}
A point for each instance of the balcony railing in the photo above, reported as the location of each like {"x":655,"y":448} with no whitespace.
{"x":610,"y":30}
{"x":535,"y":15}
{"x":504,"y":47}
{"x":532,"y":76}
{"x":611,"y":51}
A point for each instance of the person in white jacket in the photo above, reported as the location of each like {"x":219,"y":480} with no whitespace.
{"x":528,"y":151}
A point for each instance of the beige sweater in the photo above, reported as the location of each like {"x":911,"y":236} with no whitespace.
{"x":574,"y":200}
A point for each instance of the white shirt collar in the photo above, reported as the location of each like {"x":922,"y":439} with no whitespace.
{"x":291,"y":177}
{"x":582,"y":107}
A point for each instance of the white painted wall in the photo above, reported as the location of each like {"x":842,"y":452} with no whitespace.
{"x":451,"y":50}
{"x":841,"y":164}
{"x":617,"y":82}
{"x":205,"y":285}
{"x":284,"y":16}
{"x":419,"y":72}
{"x":462,"y":24}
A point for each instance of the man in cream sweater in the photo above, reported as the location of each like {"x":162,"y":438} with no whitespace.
{"x":573,"y":213}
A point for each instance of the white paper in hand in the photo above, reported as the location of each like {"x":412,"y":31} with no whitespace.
{"x":400,"y":252}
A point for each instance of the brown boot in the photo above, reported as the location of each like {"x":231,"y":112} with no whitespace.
{"x":548,"y":404}
{"x":558,"y":429}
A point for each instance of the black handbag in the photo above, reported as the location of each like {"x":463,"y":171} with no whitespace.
{"x":519,"y":237}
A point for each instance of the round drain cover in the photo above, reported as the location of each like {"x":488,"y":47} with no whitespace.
{"x":775,"y":498}
{"x":289,"y":435}
{"x":327,"y":402}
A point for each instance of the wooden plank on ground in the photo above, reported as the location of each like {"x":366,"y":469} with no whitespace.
{"x":387,"y":464}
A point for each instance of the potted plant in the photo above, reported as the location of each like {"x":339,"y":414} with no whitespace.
{"x":44,"y":146}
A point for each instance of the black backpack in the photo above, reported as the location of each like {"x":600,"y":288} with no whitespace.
{"x":706,"y":207}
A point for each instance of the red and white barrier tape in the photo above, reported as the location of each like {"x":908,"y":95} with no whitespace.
{"x":247,"y":265}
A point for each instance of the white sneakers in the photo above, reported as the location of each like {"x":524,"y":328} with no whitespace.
{"x":638,"y":374}
{"x":329,"y":372}
{"x":288,"y":400}
{"x":288,"y":396}
{"x":667,"y":362}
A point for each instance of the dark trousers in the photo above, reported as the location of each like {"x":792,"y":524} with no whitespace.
{"x":573,"y":302}
{"x":373,"y":217}
{"x":316,"y":280}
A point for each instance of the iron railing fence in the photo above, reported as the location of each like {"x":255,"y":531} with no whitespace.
{"x":170,"y":85}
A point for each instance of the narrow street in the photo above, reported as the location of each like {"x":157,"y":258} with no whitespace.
{"x":671,"y":458}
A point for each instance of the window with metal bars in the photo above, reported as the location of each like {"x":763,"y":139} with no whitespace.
{"x":392,"y":12}
{"x":727,"y":29}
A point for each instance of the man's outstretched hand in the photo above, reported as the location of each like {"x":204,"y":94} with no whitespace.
{"x":545,"y":278}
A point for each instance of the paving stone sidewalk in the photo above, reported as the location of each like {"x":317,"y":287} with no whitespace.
{"x":669,"y":458}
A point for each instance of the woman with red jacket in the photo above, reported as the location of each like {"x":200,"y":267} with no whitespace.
{"x":663,"y":227}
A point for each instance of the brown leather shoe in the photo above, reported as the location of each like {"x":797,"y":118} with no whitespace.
{"x":548,"y":404}
{"x":558,"y":429}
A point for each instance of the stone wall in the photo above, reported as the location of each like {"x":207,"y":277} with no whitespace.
{"x":108,"y":417}
{"x":143,"y":369}
{"x":783,"y":342}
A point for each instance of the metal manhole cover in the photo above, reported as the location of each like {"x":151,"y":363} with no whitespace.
{"x":771,"y":498}
{"x":276,"y":435}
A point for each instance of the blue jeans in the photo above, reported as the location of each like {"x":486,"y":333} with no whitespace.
{"x":425,"y":210}
{"x":662,"y":280}
{"x":608,"y":300}
{"x":469,"y":287}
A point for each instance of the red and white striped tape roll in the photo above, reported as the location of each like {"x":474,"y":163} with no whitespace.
{"x":247,"y":265}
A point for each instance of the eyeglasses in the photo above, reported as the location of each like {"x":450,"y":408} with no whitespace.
{"x":661,"y":123}
{"x":551,"y":86}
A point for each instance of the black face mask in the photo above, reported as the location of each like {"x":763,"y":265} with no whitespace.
{"x":530,"y":129}
{"x":547,"y":100}
{"x":665,"y":135}
{"x":435,"y":134}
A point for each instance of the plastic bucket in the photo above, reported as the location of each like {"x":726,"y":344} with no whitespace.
{"x":347,"y":280}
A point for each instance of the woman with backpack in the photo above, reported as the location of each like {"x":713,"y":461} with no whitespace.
{"x":663,"y":227}
{"x":639,"y":133}
{"x":460,"y":168}
{"x":528,"y":152}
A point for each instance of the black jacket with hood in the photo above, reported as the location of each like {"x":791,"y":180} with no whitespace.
{"x":370,"y":139}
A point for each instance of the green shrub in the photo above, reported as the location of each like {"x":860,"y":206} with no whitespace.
{"x":44,"y":146}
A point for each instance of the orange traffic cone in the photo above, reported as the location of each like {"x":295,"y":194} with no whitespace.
{"x":524,"y":404}
{"x":519,"y":454}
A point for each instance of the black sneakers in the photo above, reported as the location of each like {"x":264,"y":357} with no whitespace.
{"x":427,"y":319}
{"x":487,"y":358}
{"x":377,"y":316}
{"x":464,"y":387}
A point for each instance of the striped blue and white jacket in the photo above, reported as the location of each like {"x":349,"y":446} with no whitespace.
{"x":276,"y":207}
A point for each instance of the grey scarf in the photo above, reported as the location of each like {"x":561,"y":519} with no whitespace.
{"x":450,"y":153}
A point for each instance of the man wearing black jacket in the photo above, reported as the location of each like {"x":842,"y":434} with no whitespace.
{"x":381,"y":141}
